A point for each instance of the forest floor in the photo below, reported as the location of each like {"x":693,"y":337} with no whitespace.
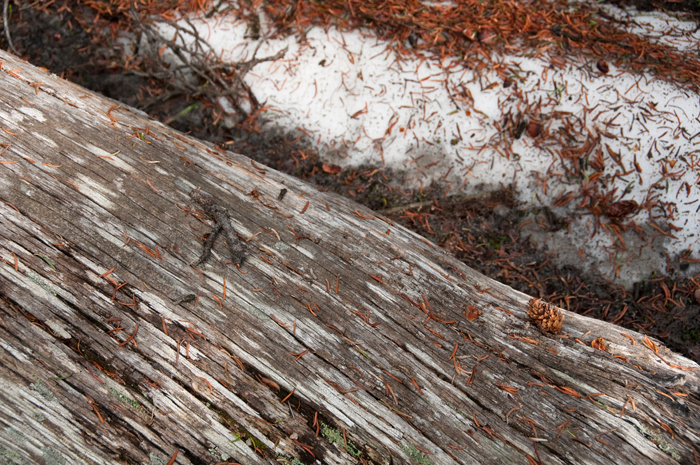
{"x":490,"y":233}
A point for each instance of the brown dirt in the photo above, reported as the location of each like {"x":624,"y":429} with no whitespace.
{"x":484,"y":232}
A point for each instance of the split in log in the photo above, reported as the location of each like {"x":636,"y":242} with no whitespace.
{"x":342,"y":338}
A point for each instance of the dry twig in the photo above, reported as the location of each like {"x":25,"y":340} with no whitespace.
{"x":6,"y":26}
{"x":199,"y":72}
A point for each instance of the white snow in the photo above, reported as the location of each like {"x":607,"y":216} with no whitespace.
{"x":663,"y":29}
{"x":441,"y":121}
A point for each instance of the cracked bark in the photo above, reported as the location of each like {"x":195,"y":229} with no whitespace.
{"x":113,"y":349}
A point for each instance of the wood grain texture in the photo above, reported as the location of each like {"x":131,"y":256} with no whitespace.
{"x":115,"y":349}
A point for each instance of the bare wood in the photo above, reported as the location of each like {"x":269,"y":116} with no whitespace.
{"x":114,"y":349}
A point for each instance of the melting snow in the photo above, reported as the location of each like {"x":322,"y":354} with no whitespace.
{"x":560,"y":134}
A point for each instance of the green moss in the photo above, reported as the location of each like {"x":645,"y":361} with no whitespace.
{"x":244,"y":435}
{"x":226,"y":420}
{"x":257,"y":443}
{"x":334,"y":437}
{"x":416,"y":455}
{"x":283,"y":459}
{"x":129,"y":403}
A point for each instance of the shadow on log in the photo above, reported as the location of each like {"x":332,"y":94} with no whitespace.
{"x":342,"y":338}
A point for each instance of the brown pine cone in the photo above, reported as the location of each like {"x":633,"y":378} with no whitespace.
{"x":546,"y":316}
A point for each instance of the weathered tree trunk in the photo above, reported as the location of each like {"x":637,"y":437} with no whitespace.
{"x":343,"y":338}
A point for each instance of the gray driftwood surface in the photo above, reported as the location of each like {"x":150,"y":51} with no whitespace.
{"x":342,"y":338}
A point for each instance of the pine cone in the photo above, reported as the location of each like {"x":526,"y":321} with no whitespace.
{"x":546,"y":316}
{"x":599,"y":343}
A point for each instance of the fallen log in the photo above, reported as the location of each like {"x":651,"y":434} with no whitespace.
{"x":165,"y":301}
